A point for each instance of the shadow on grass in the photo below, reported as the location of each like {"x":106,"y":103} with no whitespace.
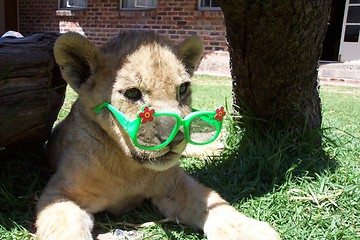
{"x":23,"y":174}
{"x":256,"y":161}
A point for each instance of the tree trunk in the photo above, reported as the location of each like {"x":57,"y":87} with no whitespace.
{"x":31,"y":90}
{"x":274,"y":48}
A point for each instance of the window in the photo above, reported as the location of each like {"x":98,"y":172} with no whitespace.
{"x":73,"y":3}
{"x":209,"y":5}
{"x":352,"y":33}
{"x":138,"y":4}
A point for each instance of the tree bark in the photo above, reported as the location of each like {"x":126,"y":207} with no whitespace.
{"x":32,"y":90}
{"x":274,"y":48}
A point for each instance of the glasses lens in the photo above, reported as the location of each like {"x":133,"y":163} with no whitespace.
{"x":202,"y":129}
{"x":156,"y":132}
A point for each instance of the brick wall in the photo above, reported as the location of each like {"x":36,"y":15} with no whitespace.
{"x":102,"y":20}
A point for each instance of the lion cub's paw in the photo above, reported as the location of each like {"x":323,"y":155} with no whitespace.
{"x":236,"y":226}
{"x":64,"y":220}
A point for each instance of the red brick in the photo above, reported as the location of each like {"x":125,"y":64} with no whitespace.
{"x":102,"y":20}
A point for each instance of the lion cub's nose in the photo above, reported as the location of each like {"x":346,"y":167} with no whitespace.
{"x":179,"y":137}
{"x":164,"y":126}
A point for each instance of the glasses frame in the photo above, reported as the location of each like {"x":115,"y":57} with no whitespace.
{"x":148,"y":114}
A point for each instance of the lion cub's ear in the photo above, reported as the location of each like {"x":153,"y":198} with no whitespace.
{"x":190,"y":52}
{"x":77,"y":58}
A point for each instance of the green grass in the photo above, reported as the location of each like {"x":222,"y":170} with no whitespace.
{"x":71,"y":96}
{"x":303,"y":192}
{"x":211,"y":92}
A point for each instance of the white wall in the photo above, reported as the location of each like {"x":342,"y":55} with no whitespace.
{"x":349,"y":50}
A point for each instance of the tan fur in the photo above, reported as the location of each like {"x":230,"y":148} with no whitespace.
{"x":97,"y":166}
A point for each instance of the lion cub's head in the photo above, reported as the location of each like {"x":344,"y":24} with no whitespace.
{"x":134,"y":69}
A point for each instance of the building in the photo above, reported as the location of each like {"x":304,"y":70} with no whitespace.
{"x":350,"y":42}
{"x":341,"y":42}
{"x":101,"y":20}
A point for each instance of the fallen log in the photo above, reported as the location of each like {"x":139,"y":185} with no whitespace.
{"x":31,"y":89}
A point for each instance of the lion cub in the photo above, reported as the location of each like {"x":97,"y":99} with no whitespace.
{"x":98,"y":168}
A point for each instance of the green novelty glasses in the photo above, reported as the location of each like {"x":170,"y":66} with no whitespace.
{"x":199,"y":127}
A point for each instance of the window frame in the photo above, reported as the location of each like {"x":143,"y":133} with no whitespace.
{"x":62,"y":4}
{"x":137,"y":8}
{"x":207,"y":8}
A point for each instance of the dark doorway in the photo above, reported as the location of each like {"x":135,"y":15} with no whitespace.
{"x":331,"y":44}
{"x":11,"y":15}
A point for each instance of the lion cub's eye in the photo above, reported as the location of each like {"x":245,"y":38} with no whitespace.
{"x":183,"y":89}
{"x":133,"y":94}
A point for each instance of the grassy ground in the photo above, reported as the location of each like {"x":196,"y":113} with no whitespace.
{"x":304,"y":193}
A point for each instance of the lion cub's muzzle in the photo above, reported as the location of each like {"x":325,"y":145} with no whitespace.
{"x":158,"y":131}
{"x":178,"y":139}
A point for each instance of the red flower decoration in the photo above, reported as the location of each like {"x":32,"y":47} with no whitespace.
{"x":220,"y":113}
{"x":147,"y":115}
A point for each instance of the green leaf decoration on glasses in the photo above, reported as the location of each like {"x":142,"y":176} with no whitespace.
{"x":199,"y":127}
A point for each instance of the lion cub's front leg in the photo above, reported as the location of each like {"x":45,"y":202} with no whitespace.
{"x":60,"y":218}
{"x":187,"y":201}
